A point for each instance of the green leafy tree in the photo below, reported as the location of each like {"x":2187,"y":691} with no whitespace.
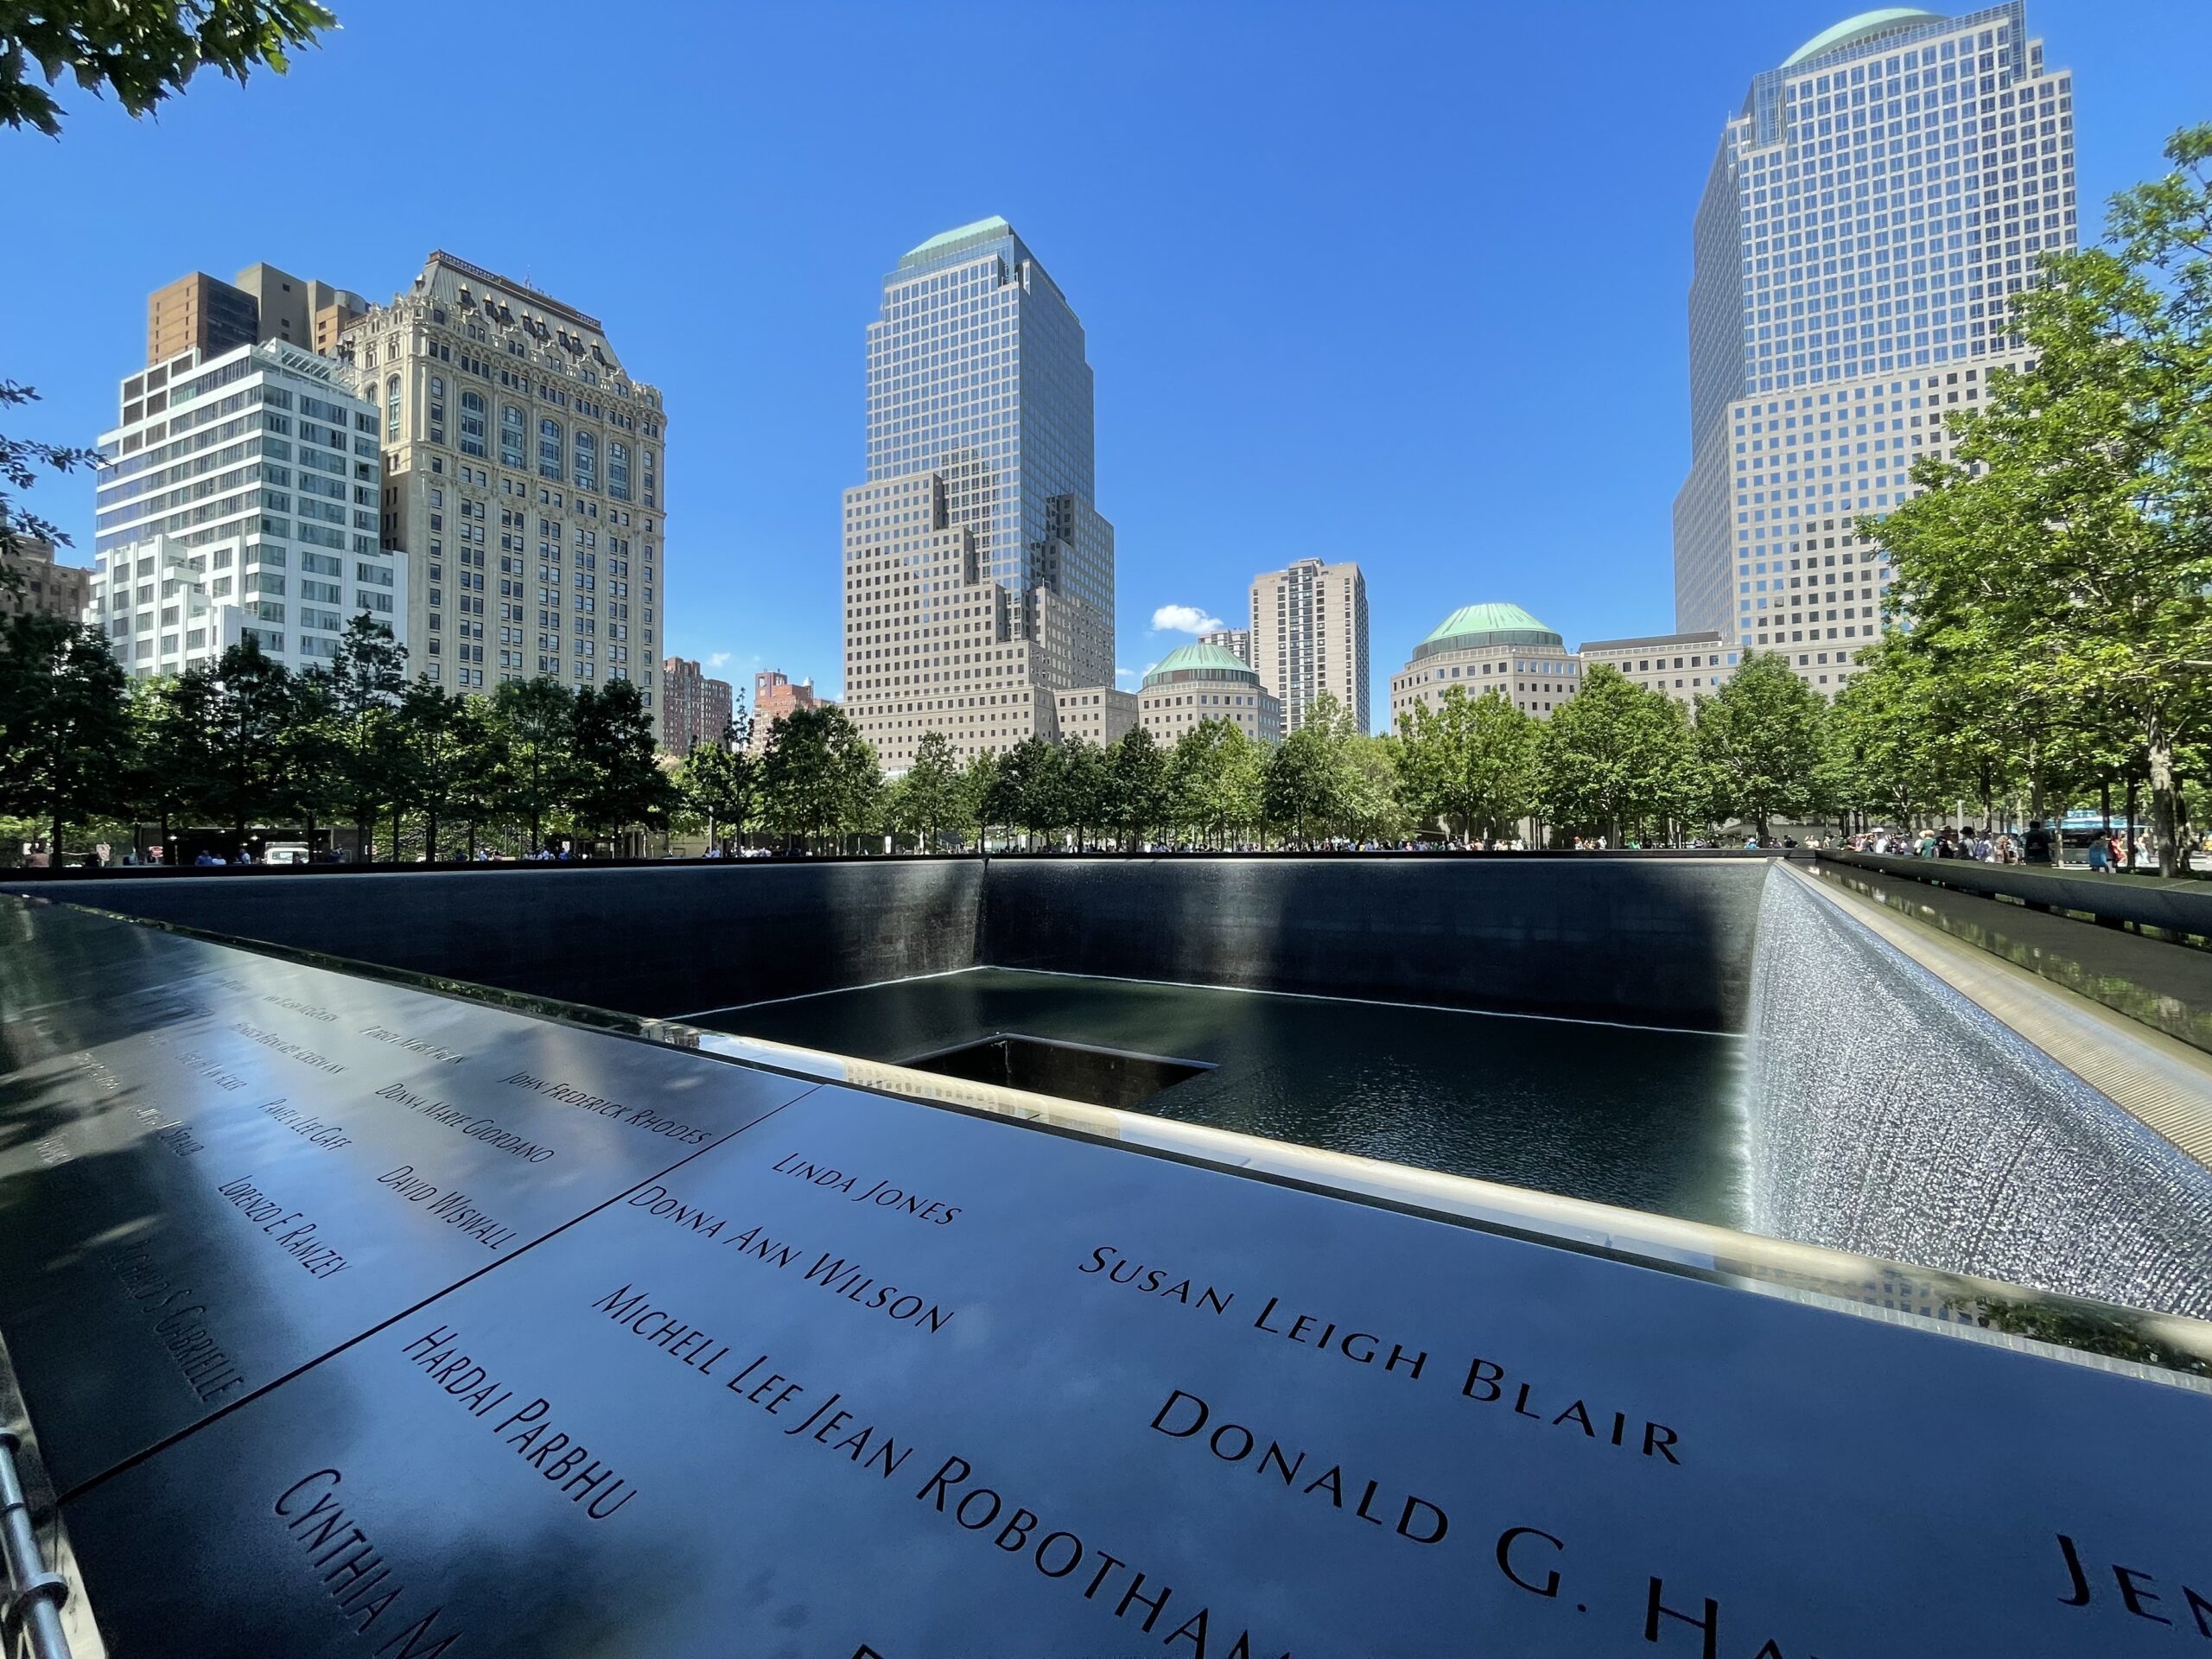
{"x":1470,"y":763}
{"x":1614,"y":753}
{"x":65,"y":732}
{"x":720,"y":783}
{"x":313,"y":768}
{"x":927,"y":802}
{"x":978,"y":791}
{"x":533,"y":733}
{"x":1137,"y":771}
{"x":1373,"y":807}
{"x":1214,"y":775}
{"x":366,"y":678}
{"x":173,"y":760}
{"x":1025,"y":788}
{"x":1762,"y":735}
{"x":1306,"y":788}
{"x":432,"y":734}
{"x":143,"y":51}
{"x":819,"y":780}
{"x":2067,"y":541}
{"x":251,"y":709}
{"x":619,"y":779}
{"x":1086,"y":787}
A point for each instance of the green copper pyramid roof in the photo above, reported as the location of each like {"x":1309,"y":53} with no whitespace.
{"x":1865,"y":26}
{"x":1205,"y":661}
{"x":1474,"y":625}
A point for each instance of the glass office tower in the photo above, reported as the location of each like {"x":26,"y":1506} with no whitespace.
{"x":979,"y":576}
{"x":1869,"y":211}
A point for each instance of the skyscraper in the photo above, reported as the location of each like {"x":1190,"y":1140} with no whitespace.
{"x":506,"y":411}
{"x":1309,"y":635}
{"x":979,"y":576}
{"x":1870,"y":210}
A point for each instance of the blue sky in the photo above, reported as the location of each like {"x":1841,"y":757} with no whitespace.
{"x":1397,"y":283}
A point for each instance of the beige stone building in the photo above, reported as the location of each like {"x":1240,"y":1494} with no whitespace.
{"x":1684,"y":666}
{"x":1097,"y":713}
{"x":1309,"y":635}
{"x":47,"y":589}
{"x":1483,"y":648}
{"x":524,"y":480}
{"x":1200,"y":682}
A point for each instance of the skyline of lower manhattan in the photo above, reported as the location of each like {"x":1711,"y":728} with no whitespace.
{"x":1880,"y":193}
{"x":1871,"y":207}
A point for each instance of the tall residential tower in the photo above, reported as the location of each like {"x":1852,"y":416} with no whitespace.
{"x":978,"y":575}
{"x":1870,"y":210}
{"x":1309,"y":635}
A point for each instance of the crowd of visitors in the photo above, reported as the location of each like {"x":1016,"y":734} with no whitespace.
{"x":2106,"y":852}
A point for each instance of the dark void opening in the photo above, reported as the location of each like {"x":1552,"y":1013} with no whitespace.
{"x":1098,"y":1077}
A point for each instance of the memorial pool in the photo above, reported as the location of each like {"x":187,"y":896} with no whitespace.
{"x":1644,"y":1118}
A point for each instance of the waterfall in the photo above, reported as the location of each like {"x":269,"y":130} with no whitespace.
{"x":1890,"y":1115}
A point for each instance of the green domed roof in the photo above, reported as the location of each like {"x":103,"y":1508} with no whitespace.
{"x":1474,"y":625}
{"x":1865,"y":26}
{"x":1199,"y":663}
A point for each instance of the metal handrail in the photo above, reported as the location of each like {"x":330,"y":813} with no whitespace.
{"x":36,"y":1594}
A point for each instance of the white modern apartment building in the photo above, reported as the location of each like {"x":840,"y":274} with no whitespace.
{"x":1871,"y":210}
{"x":1684,"y":666}
{"x":525,"y":483}
{"x":978,"y":574}
{"x":238,"y":501}
{"x":1309,"y":635}
{"x":1485,"y":648}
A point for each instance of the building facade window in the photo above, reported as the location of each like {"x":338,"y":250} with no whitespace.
{"x":549,"y":449}
{"x":391,"y":408}
{"x":510,"y":431}
{"x":471,"y":423}
{"x":618,"y":471}
{"x":587,"y":461}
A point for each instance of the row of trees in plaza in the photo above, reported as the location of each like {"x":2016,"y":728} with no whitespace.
{"x":244,"y":743}
{"x":1618,"y":760}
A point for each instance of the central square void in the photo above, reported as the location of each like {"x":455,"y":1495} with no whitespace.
{"x":1644,"y":1118}
{"x":1099,"y":1076}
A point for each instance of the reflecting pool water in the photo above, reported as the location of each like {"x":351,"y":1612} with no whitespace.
{"x":1620,"y":1114}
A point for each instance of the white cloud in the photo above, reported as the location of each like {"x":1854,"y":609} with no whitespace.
{"x":718,"y":659}
{"x":1132,"y":673}
{"x":1183,"y":619}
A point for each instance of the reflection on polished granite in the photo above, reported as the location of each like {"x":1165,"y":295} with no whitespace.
{"x":1645,"y":1119}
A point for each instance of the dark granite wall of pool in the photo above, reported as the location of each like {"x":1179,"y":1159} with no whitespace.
{"x":1644,"y":940}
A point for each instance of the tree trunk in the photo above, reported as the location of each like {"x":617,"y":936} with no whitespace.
{"x":2133,"y":785}
{"x":2159,"y":745}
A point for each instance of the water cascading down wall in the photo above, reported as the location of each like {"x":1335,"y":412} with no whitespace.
{"x":1886,"y":1113}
